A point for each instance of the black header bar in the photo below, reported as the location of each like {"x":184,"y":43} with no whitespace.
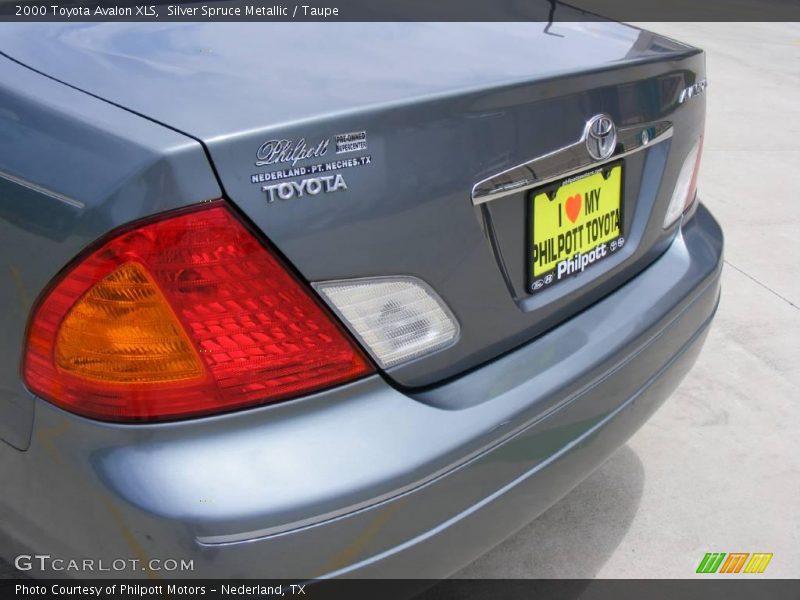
{"x":401,"y":10}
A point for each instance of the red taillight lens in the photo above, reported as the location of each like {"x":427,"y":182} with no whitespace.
{"x":183,"y":316}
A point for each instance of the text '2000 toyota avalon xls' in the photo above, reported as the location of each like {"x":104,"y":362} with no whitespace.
{"x":308,"y":300}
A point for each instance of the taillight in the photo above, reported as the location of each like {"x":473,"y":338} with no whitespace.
{"x":685,"y":191}
{"x":182,"y":316}
{"x":396,"y":318}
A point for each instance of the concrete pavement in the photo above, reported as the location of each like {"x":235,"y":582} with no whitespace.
{"x":718,"y":467}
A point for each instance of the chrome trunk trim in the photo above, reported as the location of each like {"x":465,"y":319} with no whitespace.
{"x":566,"y":161}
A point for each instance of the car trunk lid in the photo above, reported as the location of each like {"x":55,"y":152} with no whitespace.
{"x":357,"y":151}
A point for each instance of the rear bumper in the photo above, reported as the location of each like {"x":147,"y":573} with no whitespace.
{"x":366,"y":480}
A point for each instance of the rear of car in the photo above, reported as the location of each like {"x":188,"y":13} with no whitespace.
{"x":330,"y":315}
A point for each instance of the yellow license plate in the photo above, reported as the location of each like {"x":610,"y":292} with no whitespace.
{"x":573,"y":225}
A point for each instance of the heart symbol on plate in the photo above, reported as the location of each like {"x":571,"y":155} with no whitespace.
{"x":573,"y":207}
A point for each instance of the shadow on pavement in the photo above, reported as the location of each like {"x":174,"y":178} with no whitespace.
{"x":575,"y":537}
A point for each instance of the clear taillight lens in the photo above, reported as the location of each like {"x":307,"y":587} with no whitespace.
{"x":187,"y":314}
{"x":685,"y":191}
{"x":396,"y":318}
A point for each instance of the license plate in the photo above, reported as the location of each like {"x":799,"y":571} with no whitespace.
{"x":574,"y":224}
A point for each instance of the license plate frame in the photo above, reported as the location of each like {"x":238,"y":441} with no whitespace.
{"x":556,"y":194}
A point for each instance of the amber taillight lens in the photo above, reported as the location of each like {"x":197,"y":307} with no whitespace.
{"x":186,"y":315}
